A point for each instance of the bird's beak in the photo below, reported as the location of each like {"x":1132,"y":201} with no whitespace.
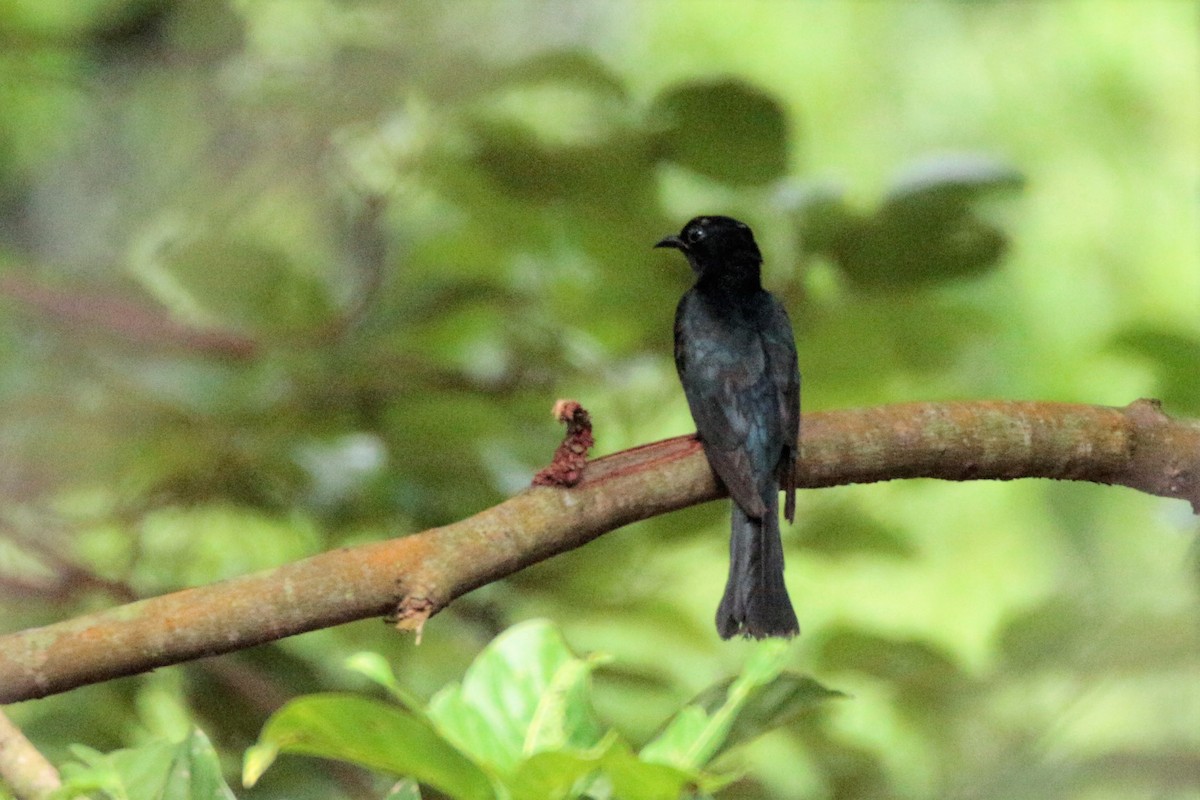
{"x":672,"y":241}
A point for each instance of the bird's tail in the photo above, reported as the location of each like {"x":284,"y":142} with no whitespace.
{"x":756,"y":601}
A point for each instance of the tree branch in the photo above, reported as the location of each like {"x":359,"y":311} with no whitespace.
{"x":415,"y":576}
{"x":22,"y":767}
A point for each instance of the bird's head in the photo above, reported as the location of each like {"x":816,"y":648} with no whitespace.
{"x":717,"y":247}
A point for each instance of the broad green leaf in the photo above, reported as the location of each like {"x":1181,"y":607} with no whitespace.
{"x":698,"y":732}
{"x":767,"y":706}
{"x":525,"y":693}
{"x":634,"y":777}
{"x":563,"y":717}
{"x":887,"y":253}
{"x":764,"y":663}
{"x":575,"y":68}
{"x":608,"y":769}
{"x":548,"y":775}
{"x":926,"y":230}
{"x":942,"y":186}
{"x":129,"y":773}
{"x":195,"y":772}
{"x":726,"y":130}
{"x":188,"y":770}
{"x":256,"y":760}
{"x":371,"y":733}
{"x":681,"y":739}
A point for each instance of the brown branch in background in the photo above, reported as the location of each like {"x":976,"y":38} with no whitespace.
{"x":1137,"y":446}
{"x":22,"y":767}
{"x":65,"y":579}
{"x":90,"y":312}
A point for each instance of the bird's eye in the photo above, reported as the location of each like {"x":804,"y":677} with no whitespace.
{"x":694,"y":235}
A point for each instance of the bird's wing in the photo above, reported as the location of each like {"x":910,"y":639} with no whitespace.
{"x":779,"y":346}
{"x":725,"y":376}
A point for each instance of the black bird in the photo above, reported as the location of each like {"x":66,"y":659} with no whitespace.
{"x":736,"y":358}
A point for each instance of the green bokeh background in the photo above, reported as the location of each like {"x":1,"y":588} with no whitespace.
{"x":282,"y":276}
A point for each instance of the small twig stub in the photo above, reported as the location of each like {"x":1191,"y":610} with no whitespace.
{"x":570,"y":459}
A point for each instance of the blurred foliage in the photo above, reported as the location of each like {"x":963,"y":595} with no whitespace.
{"x":521,"y":725}
{"x":925,"y":231}
{"x":189,"y":770}
{"x":283,"y":276}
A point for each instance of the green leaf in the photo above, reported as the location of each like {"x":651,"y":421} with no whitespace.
{"x":195,"y":772}
{"x":732,"y":712}
{"x":890,"y":254}
{"x":825,"y":219}
{"x":768,"y":706}
{"x":636,"y":778}
{"x":1176,"y":358}
{"x":677,"y":744}
{"x":576,"y":68}
{"x":1048,"y":633}
{"x":926,"y":230}
{"x":548,"y":774}
{"x":942,"y":186}
{"x":371,"y":733}
{"x":559,"y":126}
{"x":525,"y":693}
{"x":726,"y":130}
{"x":189,"y":770}
{"x":532,"y":166}
{"x":129,"y":773}
{"x":927,"y":678}
{"x":256,"y":760}
{"x":608,"y":769}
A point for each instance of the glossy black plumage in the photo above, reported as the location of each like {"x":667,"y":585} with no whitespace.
{"x":736,"y":358}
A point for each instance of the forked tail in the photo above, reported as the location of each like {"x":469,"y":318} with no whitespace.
{"x":756,"y":601}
